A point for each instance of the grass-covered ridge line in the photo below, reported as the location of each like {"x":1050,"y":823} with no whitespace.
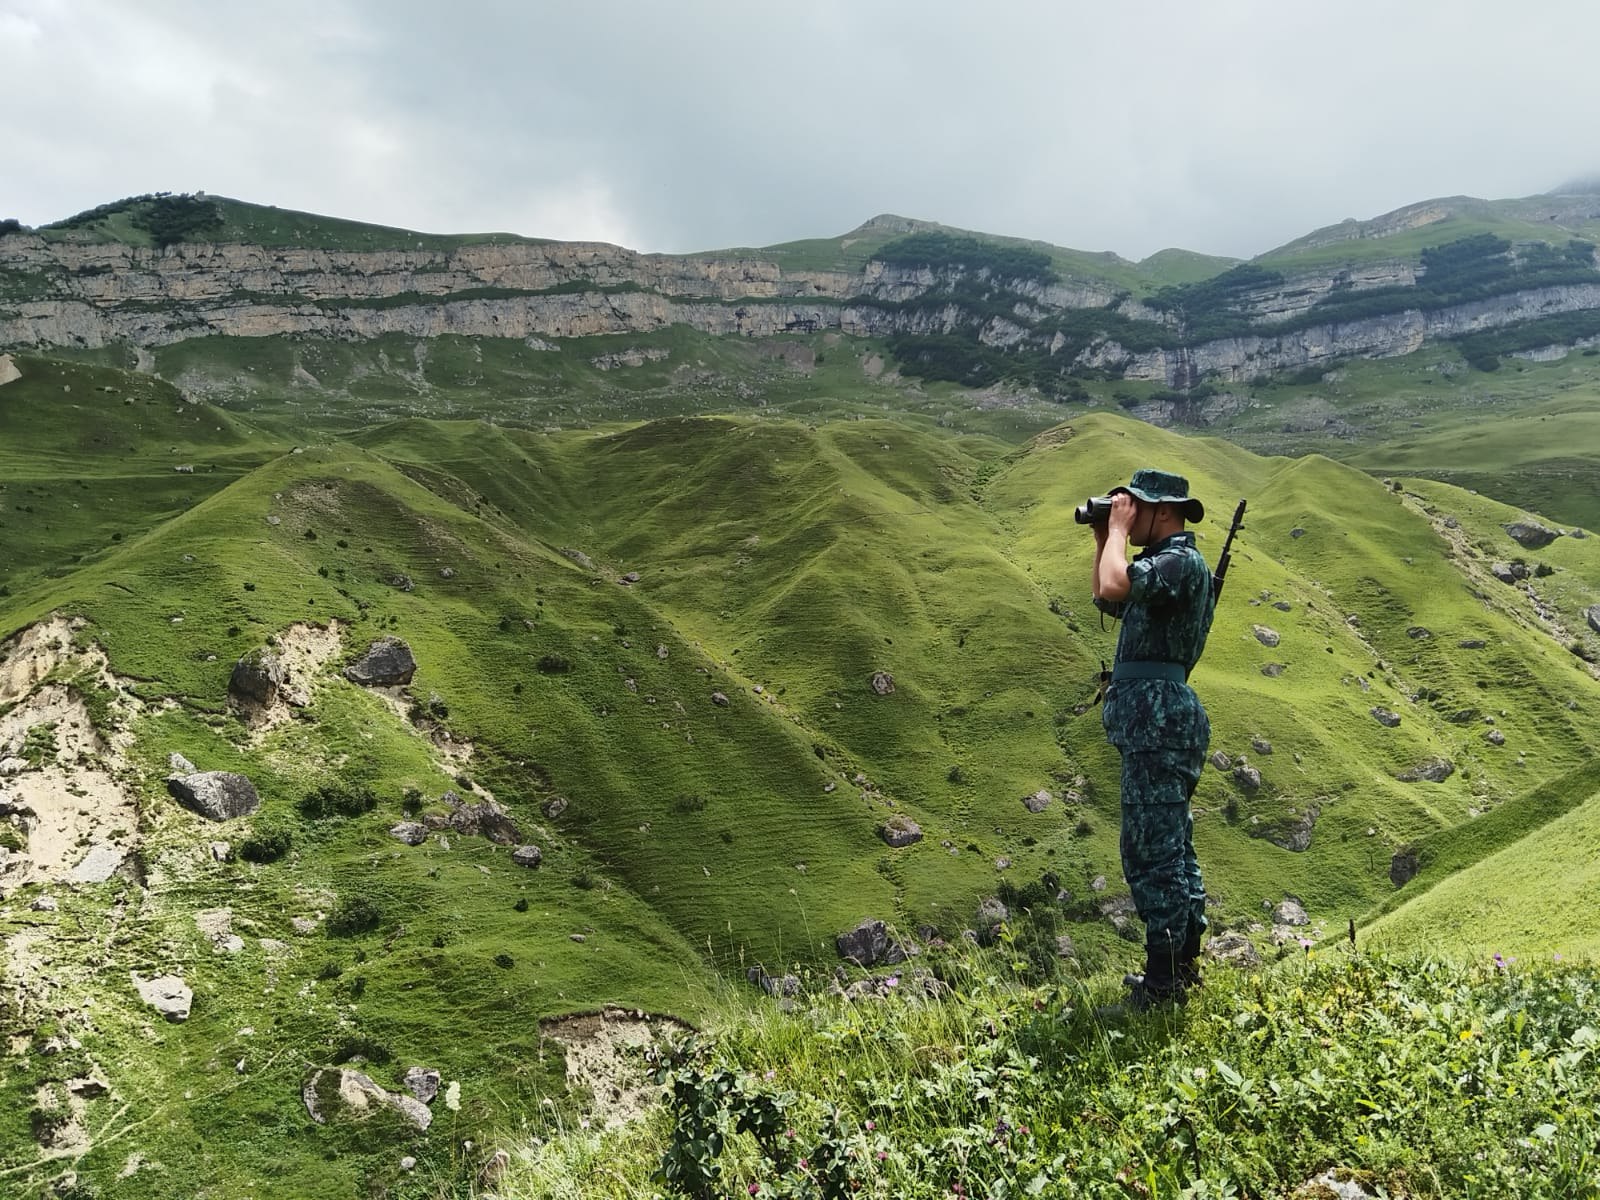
{"x":1412,"y":1078}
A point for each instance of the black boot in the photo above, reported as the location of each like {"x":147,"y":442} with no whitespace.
{"x":1188,"y":969}
{"x":1160,"y":984}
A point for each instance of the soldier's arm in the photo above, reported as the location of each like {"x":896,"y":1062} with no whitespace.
{"x":1111,"y":556}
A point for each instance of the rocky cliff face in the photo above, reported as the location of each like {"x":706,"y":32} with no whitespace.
{"x":92,"y":294}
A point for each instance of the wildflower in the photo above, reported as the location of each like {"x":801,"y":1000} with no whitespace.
{"x":755,"y":1189}
{"x":804,"y":1165}
{"x":1468,"y":1034}
{"x":789,"y":1133}
{"x":872,"y":1124}
{"x":769,"y":1074}
{"x":882,"y":1154}
{"x":892,"y":981}
{"x":1556,"y":957}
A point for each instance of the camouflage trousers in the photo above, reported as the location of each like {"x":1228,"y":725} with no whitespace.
{"x":1158,"y":858}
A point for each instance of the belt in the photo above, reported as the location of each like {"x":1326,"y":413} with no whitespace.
{"x":1173,"y":672}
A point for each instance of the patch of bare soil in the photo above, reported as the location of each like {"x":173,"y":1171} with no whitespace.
{"x":59,"y":775}
{"x":605,"y":1056}
{"x":305,"y":651}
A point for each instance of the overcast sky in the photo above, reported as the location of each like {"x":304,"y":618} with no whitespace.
{"x":1224,"y":126}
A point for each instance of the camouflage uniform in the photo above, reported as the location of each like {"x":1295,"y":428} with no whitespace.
{"x":1161,"y":730}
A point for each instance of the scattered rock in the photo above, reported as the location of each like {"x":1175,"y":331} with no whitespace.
{"x":221,"y":852}
{"x":1037,"y":802}
{"x":1297,"y":533}
{"x":412,"y":833}
{"x":1124,"y":917}
{"x":97,"y":866}
{"x":1064,"y":946}
{"x":483,"y":819}
{"x":1265,"y":635}
{"x":256,"y":679}
{"x":1472,"y":644}
{"x":527,"y":856}
{"x":1403,"y":866}
{"x":1098,"y":883}
{"x":1333,"y":1184}
{"x":387,"y":662}
{"x":1435,"y":770}
{"x":776,"y":986}
{"x":1293,"y":833}
{"x":883,"y":683}
{"x":180,"y":765}
{"x":1273,"y":670}
{"x":1495,"y":738}
{"x":167,"y":994}
{"x":1417,"y":632}
{"x":357,"y":1096}
{"x":1221,"y":761}
{"x":555,"y":806}
{"x":630,"y":578}
{"x":1508,"y":572}
{"x":1290,"y":911}
{"x":1260,"y":745}
{"x":1234,"y":949}
{"x":45,"y":903}
{"x":900,"y":830}
{"x":447,"y":572}
{"x":1247,"y":777}
{"x":1384,"y":717}
{"x":1002,"y":863}
{"x":273,"y":520}
{"x":216,"y":795}
{"x":1463,"y":716}
{"x":421,"y":1082}
{"x":1282,"y":606}
{"x":401,"y":581}
{"x":1592,"y":616}
{"x":1531,"y":535}
{"x":720,"y":700}
{"x":868,"y":944}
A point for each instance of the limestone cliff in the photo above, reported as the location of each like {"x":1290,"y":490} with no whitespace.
{"x":90,"y":294}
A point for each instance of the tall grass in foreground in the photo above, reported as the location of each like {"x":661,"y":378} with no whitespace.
{"x":1413,"y":1078}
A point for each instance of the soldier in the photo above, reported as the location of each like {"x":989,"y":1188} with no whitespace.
{"x":1165,"y":600}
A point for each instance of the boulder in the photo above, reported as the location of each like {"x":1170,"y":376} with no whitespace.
{"x":356,"y":1096}
{"x":1260,"y":745}
{"x":1283,"y":606}
{"x":868,"y":944}
{"x":1495,"y":738}
{"x":257,"y":678}
{"x":216,"y":795}
{"x":1221,"y":761}
{"x":412,"y":833}
{"x":555,"y":806}
{"x":1038,"y":801}
{"x":401,"y":581}
{"x":900,"y":830}
{"x":483,"y":819}
{"x":97,"y":866}
{"x":1508,"y":572}
{"x":719,"y":699}
{"x":1297,"y":533}
{"x":180,"y":765}
{"x":1384,"y":717}
{"x":776,"y":986}
{"x":387,"y":662}
{"x":1471,"y":644}
{"x":167,"y":994}
{"x":1435,"y":770}
{"x":1592,"y":616}
{"x":883,"y":683}
{"x":1418,"y":632}
{"x":1272,"y":670}
{"x":421,"y":1082}
{"x":1121,"y":912}
{"x":1064,"y":946}
{"x":1531,"y":535}
{"x":1234,"y":949}
{"x":1290,"y":911}
{"x":527,"y":856}
{"x":1403,"y":866}
{"x":1247,"y":776}
{"x":1293,"y":833}
{"x":1266,"y":635}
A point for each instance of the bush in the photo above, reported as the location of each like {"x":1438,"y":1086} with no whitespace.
{"x":353,"y":916}
{"x":554,"y":664}
{"x":268,"y":842}
{"x":338,"y":800}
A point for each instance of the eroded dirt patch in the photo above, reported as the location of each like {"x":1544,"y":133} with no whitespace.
{"x":605,"y":1057}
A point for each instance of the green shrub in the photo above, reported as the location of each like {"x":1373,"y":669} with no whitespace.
{"x":269,"y":841}
{"x":354,"y":915}
{"x":338,"y":800}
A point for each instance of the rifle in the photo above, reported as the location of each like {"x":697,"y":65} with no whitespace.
{"x":1221,"y":572}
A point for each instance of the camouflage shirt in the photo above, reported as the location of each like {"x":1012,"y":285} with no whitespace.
{"x":1165,"y":619}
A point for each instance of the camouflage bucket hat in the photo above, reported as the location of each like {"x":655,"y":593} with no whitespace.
{"x":1159,"y":487}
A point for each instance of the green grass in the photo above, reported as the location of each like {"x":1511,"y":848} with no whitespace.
{"x":1414,"y":1078}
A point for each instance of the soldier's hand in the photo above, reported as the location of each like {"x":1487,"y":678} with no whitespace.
{"x":1123,"y":510}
